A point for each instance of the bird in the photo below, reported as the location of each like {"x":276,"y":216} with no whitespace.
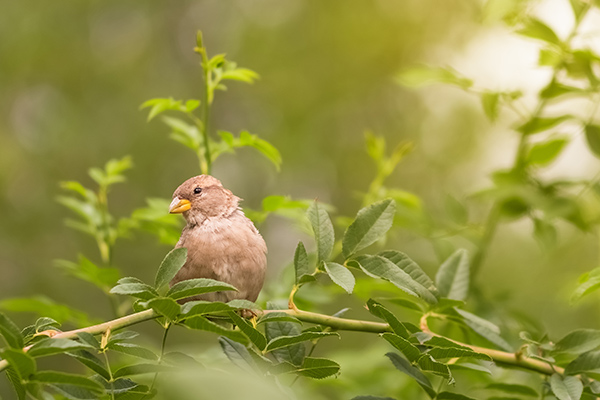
{"x":221,"y":242}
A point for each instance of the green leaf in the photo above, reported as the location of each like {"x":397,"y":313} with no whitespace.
{"x":255,"y":336}
{"x":586,"y":362}
{"x":540,"y":124}
{"x":169,"y":267}
{"x":22,"y":363}
{"x":452,"y":279}
{"x":513,"y":389}
{"x":201,"y":323}
{"x":278,"y":316}
{"x":378,"y":310}
{"x":452,"y":396}
{"x":454,"y":352}
{"x":406,"y":264}
{"x":49,"y":346}
{"x":370,"y":224}
{"x":184,"y":133}
{"x":301,"y":264}
{"x":484,"y":328}
{"x":381,"y":267}
{"x":409,"y":350}
{"x":536,"y":29}
{"x":567,"y":388}
{"x":406,"y":367}
{"x":165,"y":306}
{"x":16,"y":382}
{"x":135,"y":289}
{"x":134,"y":350}
{"x":588,"y":283}
{"x":10,"y":332}
{"x":555,"y":89}
{"x":194,"y":287}
{"x":240,"y":74}
{"x":238,"y":354}
{"x":285,"y":341}
{"x":86,"y":270}
{"x":427,"y":363}
{"x":318,"y":368}
{"x":90,"y":339}
{"x":139,"y":369}
{"x":55,"y":377}
{"x":161,"y":105}
{"x":592,"y":134}
{"x":578,"y":341}
{"x":546,"y":152}
{"x":293,"y":354}
{"x":424,"y":75}
{"x":341,"y":276}
{"x":489,"y":101}
{"x":323,"y":230}
{"x":91,"y":361}
{"x":200,"y":307}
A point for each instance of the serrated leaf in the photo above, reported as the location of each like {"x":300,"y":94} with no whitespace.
{"x":578,"y":341}
{"x":293,"y":354}
{"x":16,"y":382}
{"x":370,"y":224}
{"x":90,"y":339}
{"x":10,"y":332}
{"x":92,"y":362}
{"x":442,"y":353}
{"x":452,"y":279}
{"x":413,"y":269}
{"x":285,"y":341}
{"x":406,"y":367}
{"x":165,"y":306}
{"x":169,"y":267}
{"x":278,"y":316}
{"x":586,"y":362}
{"x":322,"y":229}
{"x":484,"y":328}
{"x":22,"y":363}
{"x":139,"y":290}
{"x":427,"y":363}
{"x":513,"y":389}
{"x":378,"y":310}
{"x":255,"y":336}
{"x":341,"y":276}
{"x":194,"y":287}
{"x":300,"y":262}
{"x":409,"y":350}
{"x":567,"y":388}
{"x":238,"y":354}
{"x":51,"y":346}
{"x":201,"y":323}
{"x":134,"y":350}
{"x":381,"y":267}
{"x":318,"y":368}
{"x":55,"y":377}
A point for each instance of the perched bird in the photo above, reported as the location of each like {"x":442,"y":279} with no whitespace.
{"x":222,"y":243}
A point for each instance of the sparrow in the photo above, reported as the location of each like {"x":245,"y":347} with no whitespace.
{"x":221,"y":242}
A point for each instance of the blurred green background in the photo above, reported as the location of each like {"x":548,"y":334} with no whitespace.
{"x":73,"y":74}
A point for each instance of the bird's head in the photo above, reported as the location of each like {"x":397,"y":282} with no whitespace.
{"x":202,"y":197}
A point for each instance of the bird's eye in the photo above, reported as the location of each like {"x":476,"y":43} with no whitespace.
{"x":198,"y":190}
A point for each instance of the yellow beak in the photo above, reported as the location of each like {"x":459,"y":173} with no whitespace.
{"x":179,"y":205}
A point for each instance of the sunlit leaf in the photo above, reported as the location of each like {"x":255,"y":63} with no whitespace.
{"x":536,"y":29}
{"x":424,"y":75}
{"x":541,"y":124}
{"x":370,"y":224}
{"x":545,"y":152}
{"x":592,"y":134}
{"x":169,"y":267}
{"x":489,"y":101}
{"x":322,"y":229}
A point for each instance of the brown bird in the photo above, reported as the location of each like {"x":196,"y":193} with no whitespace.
{"x":222,"y":243}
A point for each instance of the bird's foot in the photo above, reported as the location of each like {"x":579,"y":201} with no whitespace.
{"x":247,"y":313}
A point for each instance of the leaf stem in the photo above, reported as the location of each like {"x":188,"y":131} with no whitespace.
{"x":110,"y":374}
{"x":206,"y":114}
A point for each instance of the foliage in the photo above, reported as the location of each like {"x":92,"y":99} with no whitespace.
{"x":447,"y":332}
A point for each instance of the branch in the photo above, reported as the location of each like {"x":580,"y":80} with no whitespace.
{"x":500,"y":357}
